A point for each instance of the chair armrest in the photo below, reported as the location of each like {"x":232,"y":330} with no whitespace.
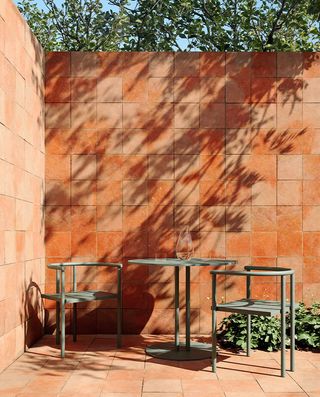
{"x":61,"y":266}
{"x":251,"y":274}
{"x":267,"y":268}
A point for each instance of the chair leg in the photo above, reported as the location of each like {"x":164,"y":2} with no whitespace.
{"x":283,"y":328}
{"x":119,"y":308}
{"x":74,"y":322}
{"x":292,"y":325}
{"x":214,"y":340}
{"x":63,"y":329}
{"x":58,"y":330}
{"x":248,"y":335}
{"x":119,"y":325}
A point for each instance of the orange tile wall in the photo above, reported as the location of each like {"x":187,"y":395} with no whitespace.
{"x":140,"y":144}
{"x":21,"y":185}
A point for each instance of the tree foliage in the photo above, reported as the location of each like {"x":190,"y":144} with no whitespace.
{"x":169,"y":25}
{"x":76,"y":25}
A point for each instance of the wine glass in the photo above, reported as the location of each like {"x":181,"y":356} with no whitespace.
{"x":184,"y":247}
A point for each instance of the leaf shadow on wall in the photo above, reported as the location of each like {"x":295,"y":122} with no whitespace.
{"x":134,"y":174}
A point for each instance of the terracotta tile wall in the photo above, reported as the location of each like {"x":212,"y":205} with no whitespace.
{"x":140,"y":144}
{"x":21,"y":184}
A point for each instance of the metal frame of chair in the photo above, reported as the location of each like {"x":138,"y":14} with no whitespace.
{"x":250,"y":307}
{"x":62,"y":298}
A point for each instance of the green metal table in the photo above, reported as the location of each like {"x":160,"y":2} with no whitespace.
{"x":179,"y":351}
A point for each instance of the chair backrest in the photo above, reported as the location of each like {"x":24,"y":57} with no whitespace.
{"x":60,"y":272}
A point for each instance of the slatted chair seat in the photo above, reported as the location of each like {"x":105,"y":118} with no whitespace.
{"x":254,"y":307}
{"x":82,"y":296}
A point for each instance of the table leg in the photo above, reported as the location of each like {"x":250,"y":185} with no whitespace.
{"x":176,"y":306}
{"x":187,"y":308}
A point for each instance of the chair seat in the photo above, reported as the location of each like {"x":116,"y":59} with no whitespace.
{"x":253,"y":306}
{"x":81,"y":296}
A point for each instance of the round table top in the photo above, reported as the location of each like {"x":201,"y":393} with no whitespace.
{"x":179,"y":262}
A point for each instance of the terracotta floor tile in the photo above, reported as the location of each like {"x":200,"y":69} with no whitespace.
{"x":201,"y":385}
{"x":127,"y":374}
{"x":111,"y":394}
{"x":122,"y":386}
{"x":95,"y":364}
{"x":277,"y":384}
{"x":162,"y":394}
{"x":203,"y":394}
{"x":162,"y":386}
{"x":286,"y":394}
{"x":244,"y":394}
{"x":240,"y":385}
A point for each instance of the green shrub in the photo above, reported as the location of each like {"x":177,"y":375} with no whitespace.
{"x":308,"y":326}
{"x":265,"y":331}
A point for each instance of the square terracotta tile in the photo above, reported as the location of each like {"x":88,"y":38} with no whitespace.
{"x":84,"y":64}
{"x":186,"y":64}
{"x":83,"y":89}
{"x":109,"y":192}
{"x":58,"y":115}
{"x":58,"y":64}
{"x":84,"y":167}
{"x":264,"y":218}
{"x":134,"y":115}
{"x":212,"y":115}
{"x":310,"y":117}
{"x":109,"y":218}
{"x":186,"y":115}
{"x":264,"y":64}
{"x":311,"y":65}
{"x":110,"y":64}
{"x":311,"y":192}
{"x":160,"y":89}
{"x":290,"y":244}
{"x":135,"y":89}
{"x":160,"y":192}
{"x":289,"y":192}
{"x":263,"y":90}
{"x":57,"y":89}
{"x":238,"y":64}
{"x":212,"y":218}
{"x":212,"y":64}
{"x":290,"y":90}
{"x":311,"y":167}
{"x":288,"y":66}
{"x":212,"y":89}
{"x":238,"y":218}
{"x":289,"y":218}
{"x":237,"y":116}
{"x":161,"y":64}
{"x":238,"y":90}
{"x":290,"y":167}
{"x":310,"y":218}
{"x":238,"y":244}
{"x":109,"y":115}
{"x":83,"y":115}
{"x":83,"y":192}
{"x":135,"y":192}
{"x":161,"y":167}
{"x":109,"y":89}
{"x":186,"y":89}
{"x":264,"y":244}
{"x":289,"y":115}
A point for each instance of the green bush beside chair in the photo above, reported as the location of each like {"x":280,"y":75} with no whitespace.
{"x":62,"y":298}
{"x":249,"y":306}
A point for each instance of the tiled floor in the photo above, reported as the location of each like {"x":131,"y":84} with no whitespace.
{"x":93,"y":367}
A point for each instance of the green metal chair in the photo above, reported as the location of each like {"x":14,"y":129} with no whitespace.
{"x":62,"y":298}
{"x":256,"y":307}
